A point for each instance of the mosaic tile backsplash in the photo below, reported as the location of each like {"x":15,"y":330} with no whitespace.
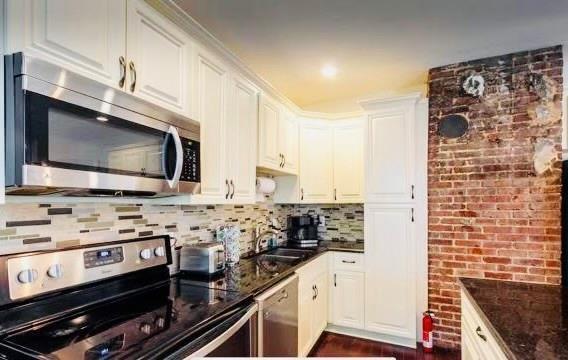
{"x":45,"y":226}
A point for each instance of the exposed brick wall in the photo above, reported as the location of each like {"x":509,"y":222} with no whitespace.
{"x":494,"y":193}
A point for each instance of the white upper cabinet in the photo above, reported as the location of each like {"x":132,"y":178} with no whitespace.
{"x":211,"y":90}
{"x":159,"y":58}
{"x":348,"y":157}
{"x":277,"y":138}
{"x":269,"y":154}
{"x":316,"y":162}
{"x":390,"y":150}
{"x":125,"y":44}
{"x":242,"y":117}
{"x":288,"y":137}
{"x":390,"y":261}
{"x":87,"y":37}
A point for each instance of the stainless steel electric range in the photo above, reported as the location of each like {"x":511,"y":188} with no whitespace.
{"x":116,"y":301}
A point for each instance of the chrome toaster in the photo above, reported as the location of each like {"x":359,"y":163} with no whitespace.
{"x":206,"y":258}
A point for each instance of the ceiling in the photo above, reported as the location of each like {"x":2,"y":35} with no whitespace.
{"x":379,"y":46}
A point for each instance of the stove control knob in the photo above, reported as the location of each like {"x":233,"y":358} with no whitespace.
{"x":55,"y":271}
{"x":160,"y":322}
{"x":145,"y":254}
{"x":146,"y":328}
{"x":27,"y":276}
{"x":160,"y":251}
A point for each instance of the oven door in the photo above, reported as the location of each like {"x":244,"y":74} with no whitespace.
{"x":58,"y":138}
{"x":234,"y":337}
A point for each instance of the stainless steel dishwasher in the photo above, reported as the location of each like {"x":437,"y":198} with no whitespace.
{"x":278,"y":319}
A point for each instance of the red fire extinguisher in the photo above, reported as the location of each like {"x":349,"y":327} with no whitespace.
{"x":427,"y":329}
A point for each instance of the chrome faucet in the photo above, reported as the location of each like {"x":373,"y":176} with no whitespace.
{"x":258,"y":234}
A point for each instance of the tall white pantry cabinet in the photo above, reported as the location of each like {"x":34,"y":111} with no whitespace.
{"x":395,"y":218}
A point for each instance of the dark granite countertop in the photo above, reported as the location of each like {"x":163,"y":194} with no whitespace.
{"x":251,"y":276}
{"x":530,"y":321}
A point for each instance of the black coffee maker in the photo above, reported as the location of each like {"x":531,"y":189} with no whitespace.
{"x":302,"y":231}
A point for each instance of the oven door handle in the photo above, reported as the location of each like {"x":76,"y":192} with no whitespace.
{"x":226,"y":335}
{"x":173,"y":182}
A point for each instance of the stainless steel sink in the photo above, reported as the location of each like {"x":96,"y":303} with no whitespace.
{"x":290,"y":253}
{"x":278,"y":258}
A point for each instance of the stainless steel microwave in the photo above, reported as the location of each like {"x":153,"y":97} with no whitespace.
{"x":70,"y":135}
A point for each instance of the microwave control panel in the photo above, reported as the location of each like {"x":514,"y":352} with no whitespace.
{"x":191,"y":171}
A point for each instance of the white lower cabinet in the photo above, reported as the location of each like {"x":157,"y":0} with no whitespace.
{"x":347,"y":301}
{"x":390,"y":263}
{"x":477,"y":342}
{"x":312,"y":303}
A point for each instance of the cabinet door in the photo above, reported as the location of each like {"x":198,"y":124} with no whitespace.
{"x":320,"y":310}
{"x":161,"y":55}
{"x":87,"y":37}
{"x":211,"y":112}
{"x":390,"y":155}
{"x":348,"y":175}
{"x":268,"y":128}
{"x":348,"y":299}
{"x":390,"y":289}
{"x":242,"y":117}
{"x":316,"y":167}
{"x":305,"y":324}
{"x":289,"y":146}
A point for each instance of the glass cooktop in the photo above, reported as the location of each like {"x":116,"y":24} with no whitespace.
{"x":139,"y":325}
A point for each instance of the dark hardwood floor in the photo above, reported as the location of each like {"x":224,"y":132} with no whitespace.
{"x":332,"y":345}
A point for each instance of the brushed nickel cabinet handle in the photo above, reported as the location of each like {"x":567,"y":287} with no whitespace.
{"x":412,"y":192}
{"x":481,"y":336}
{"x":233,"y":192}
{"x":284,"y":158}
{"x":335,"y":194}
{"x":348,"y":261}
{"x":317,"y":291}
{"x":314,"y":290}
{"x":133,"y":76}
{"x":302,"y":194}
{"x":281,"y":160}
{"x":122,"y":62}
{"x":335,"y":280}
{"x":412,"y":215}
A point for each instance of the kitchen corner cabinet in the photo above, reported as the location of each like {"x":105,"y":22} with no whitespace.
{"x":124,"y":44}
{"x":227,"y":109}
{"x":330,"y":164}
{"x":348,"y":159}
{"x":390,"y":262}
{"x":277,"y":138}
{"x":316,"y":162}
{"x":313,"y":303}
{"x":390,"y":145}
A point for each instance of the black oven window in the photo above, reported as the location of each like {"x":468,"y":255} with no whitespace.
{"x":68,"y":136}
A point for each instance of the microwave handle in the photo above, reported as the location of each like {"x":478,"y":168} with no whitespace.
{"x":173,"y":182}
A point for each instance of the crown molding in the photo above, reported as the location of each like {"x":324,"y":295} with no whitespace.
{"x":177,"y":15}
{"x":377,"y":103}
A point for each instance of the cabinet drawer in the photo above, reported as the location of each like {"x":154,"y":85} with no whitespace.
{"x":480,"y":340}
{"x":348,"y":261}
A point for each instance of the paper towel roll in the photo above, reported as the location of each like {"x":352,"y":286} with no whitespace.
{"x":265,"y":185}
